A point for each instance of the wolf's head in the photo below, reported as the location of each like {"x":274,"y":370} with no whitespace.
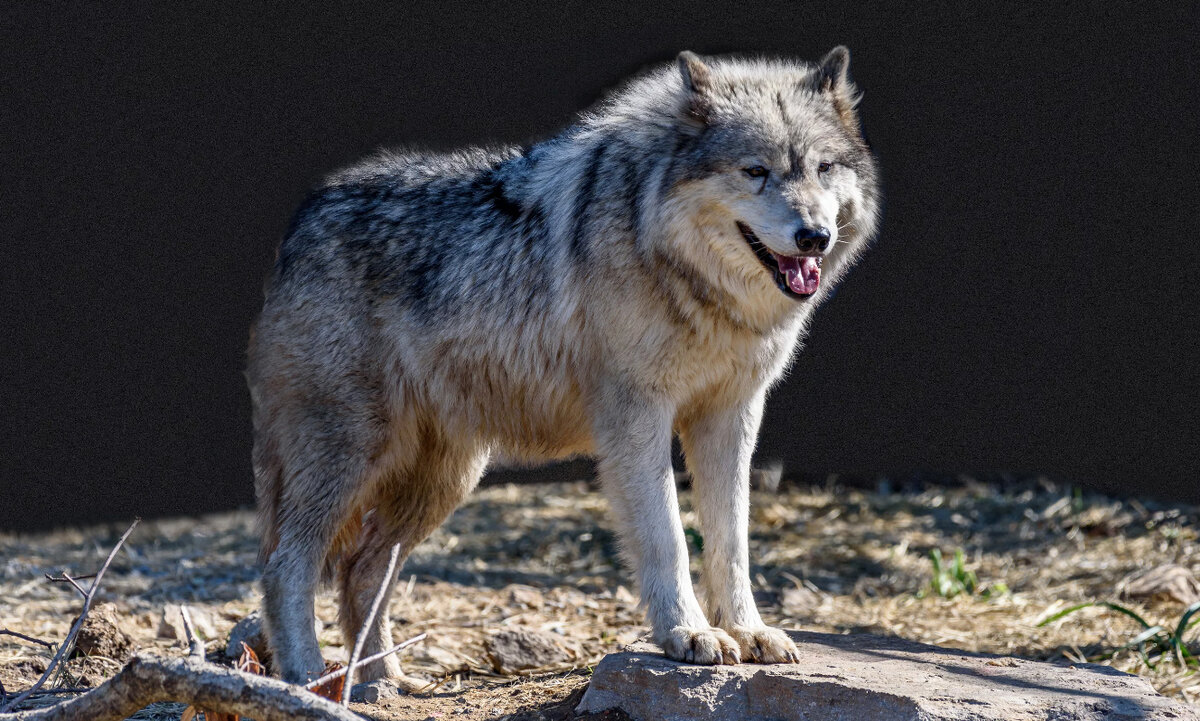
{"x":778,"y":183}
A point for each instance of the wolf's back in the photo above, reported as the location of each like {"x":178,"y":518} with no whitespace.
{"x":434,"y":234}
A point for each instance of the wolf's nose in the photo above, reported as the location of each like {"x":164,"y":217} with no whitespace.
{"x":810,"y":239}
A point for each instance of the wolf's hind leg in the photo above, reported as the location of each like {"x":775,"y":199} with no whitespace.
{"x":634,"y":443}
{"x":324,"y":468}
{"x":360,"y":575}
{"x":718,"y":445}
{"x":410,"y":506}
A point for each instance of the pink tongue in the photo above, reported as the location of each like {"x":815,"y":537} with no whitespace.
{"x":803,"y":274}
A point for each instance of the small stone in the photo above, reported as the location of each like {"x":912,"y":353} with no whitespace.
{"x":34,"y":667}
{"x":101,"y":635}
{"x":860,"y":676}
{"x":622,"y":595}
{"x":373,"y":691}
{"x":799,"y":601}
{"x":520,"y":649}
{"x":1169,"y":581}
{"x":767,"y":477}
{"x":253,"y":633}
{"x":170,"y":624}
{"x":449,"y":661}
{"x":526,"y":596}
{"x":250,"y":632}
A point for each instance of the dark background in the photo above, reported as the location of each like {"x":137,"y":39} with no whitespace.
{"x":1028,"y":306}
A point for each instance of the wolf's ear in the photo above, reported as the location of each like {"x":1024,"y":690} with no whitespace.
{"x":832,"y":77}
{"x":834,"y":69}
{"x":696,"y":75}
{"x":697,"y":78}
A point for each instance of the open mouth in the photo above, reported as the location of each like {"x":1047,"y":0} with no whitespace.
{"x":796,"y":275}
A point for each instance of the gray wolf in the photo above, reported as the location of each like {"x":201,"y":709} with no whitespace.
{"x":647,"y":272}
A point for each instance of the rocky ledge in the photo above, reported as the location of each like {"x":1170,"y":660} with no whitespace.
{"x":870,"y":678}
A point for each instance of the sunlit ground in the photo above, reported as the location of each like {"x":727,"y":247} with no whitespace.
{"x":543,"y":557}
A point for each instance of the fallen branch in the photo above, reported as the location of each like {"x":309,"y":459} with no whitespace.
{"x":147,"y":679}
{"x":384,"y":586}
{"x":70,"y":640}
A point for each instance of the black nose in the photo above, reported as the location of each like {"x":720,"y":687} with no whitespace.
{"x":810,"y":239}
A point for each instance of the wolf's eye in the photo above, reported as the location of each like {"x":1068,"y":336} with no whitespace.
{"x":824,"y":167}
{"x":756,"y":171}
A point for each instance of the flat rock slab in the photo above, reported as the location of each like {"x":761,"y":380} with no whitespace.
{"x":871,"y":678}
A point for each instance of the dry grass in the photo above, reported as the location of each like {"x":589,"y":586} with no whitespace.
{"x":543,"y":557}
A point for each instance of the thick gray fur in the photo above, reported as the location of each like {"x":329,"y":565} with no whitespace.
{"x":593,"y":294}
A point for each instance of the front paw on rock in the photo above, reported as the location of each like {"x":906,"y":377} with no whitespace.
{"x":764,"y":644}
{"x":707,"y":646}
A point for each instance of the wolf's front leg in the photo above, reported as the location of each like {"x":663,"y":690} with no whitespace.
{"x":634,"y":443}
{"x":718,"y":445}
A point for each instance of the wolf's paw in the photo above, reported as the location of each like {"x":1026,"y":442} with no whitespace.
{"x":383,"y":689}
{"x":763,"y":644}
{"x":299,"y":668}
{"x":388,"y":671}
{"x":700,"y":645}
{"x":387,"y":668}
{"x":409,"y":684}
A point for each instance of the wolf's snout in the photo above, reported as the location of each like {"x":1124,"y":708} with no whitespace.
{"x":812,"y":239}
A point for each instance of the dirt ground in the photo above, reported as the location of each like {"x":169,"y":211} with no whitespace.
{"x":543,"y":558}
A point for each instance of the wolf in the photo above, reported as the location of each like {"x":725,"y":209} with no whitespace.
{"x":647,"y":273}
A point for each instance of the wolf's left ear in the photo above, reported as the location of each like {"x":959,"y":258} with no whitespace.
{"x":834,"y":69}
{"x":697,"y":79}
{"x":833,"y":78}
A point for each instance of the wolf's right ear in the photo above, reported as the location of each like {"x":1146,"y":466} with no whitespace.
{"x":696,"y":75}
{"x":697,"y":78}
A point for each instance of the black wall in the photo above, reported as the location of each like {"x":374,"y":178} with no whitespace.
{"x":1028,"y":306}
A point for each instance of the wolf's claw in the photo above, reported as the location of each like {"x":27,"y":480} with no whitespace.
{"x":765,"y":645}
{"x":707,"y":646}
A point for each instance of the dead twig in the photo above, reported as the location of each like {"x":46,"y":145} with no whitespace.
{"x":148,"y":678}
{"x":23,"y":637}
{"x":382,"y":654}
{"x":195,"y":645}
{"x":384,"y":586}
{"x":69,"y":642}
{"x":63,"y":578}
{"x":73,"y":581}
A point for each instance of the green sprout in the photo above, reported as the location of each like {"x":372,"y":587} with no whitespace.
{"x":954,"y":578}
{"x":1153,"y":642}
